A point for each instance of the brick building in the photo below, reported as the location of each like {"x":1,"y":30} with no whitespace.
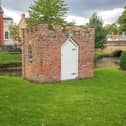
{"x":1,"y":27}
{"x":58,"y":54}
{"x":22,"y":26}
{"x":5,"y":23}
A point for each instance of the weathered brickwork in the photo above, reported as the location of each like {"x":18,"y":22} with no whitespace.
{"x":41,"y":56}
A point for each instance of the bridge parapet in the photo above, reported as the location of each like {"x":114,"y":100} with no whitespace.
{"x":112,"y":46}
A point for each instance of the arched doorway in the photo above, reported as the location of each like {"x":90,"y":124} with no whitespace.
{"x":117,"y":53}
{"x":69,"y":60}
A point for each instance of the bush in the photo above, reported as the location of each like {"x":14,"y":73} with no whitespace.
{"x":123,"y":61}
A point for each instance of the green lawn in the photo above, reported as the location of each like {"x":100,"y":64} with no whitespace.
{"x":7,"y":57}
{"x":93,"y":102}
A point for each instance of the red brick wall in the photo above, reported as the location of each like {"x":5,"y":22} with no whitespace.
{"x":1,"y":29}
{"x":45,"y":65}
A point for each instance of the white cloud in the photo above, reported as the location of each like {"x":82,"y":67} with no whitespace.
{"x":16,"y":15}
{"x":13,"y":14}
{"x":77,"y":20}
{"x":110,"y":16}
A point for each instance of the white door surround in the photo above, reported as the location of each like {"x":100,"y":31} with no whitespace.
{"x":69,"y":60}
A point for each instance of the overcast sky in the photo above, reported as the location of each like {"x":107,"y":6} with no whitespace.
{"x":79,"y":10}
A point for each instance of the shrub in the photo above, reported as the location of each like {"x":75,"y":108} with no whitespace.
{"x":123,"y":61}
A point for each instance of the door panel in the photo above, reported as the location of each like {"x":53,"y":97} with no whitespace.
{"x":69,"y":60}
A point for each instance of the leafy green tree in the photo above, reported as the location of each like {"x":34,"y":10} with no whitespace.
{"x":123,"y":61}
{"x":122,"y":21}
{"x":47,"y":11}
{"x":112,"y":29}
{"x":100,"y":34}
{"x":14,"y":32}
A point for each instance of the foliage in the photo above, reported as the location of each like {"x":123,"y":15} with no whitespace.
{"x":92,"y":102}
{"x":112,"y":29}
{"x":47,"y":11}
{"x":14,"y":32}
{"x":122,"y":21}
{"x":7,"y":58}
{"x":100,"y":34}
{"x":100,"y":54}
{"x":123,"y":60}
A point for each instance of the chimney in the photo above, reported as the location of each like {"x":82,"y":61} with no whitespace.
{"x":23,"y":15}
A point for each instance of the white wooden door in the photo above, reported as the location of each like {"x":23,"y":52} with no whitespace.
{"x":69,"y":60}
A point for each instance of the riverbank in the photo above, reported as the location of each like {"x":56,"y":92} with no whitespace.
{"x":90,"y":102}
{"x":107,"y":62}
{"x":12,"y":66}
{"x":10,"y":63}
{"x":9,"y":58}
{"x":103,"y":59}
{"x":100,"y":54}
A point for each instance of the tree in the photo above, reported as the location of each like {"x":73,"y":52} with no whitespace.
{"x":122,"y":21}
{"x":47,"y":11}
{"x":100,"y":34}
{"x":14,"y":32}
{"x":123,"y":61}
{"x":112,"y":29}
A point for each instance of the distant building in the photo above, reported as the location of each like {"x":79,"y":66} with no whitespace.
{"x":22,"y":26}
{"x":1,"y":27}
{"x":5,"y":23}
{"x":116,"y":37}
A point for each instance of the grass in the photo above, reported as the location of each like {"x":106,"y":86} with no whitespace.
{"x":93,"y":102}
{"x":9,"y":58}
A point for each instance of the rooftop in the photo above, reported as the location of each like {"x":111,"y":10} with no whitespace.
{"x":8,"y":18}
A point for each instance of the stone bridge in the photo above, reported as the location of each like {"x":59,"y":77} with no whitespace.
{"x":115,"y":46}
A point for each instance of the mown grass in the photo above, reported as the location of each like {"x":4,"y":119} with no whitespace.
{"x":92,"y":102}
{"x":9,"y":57}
